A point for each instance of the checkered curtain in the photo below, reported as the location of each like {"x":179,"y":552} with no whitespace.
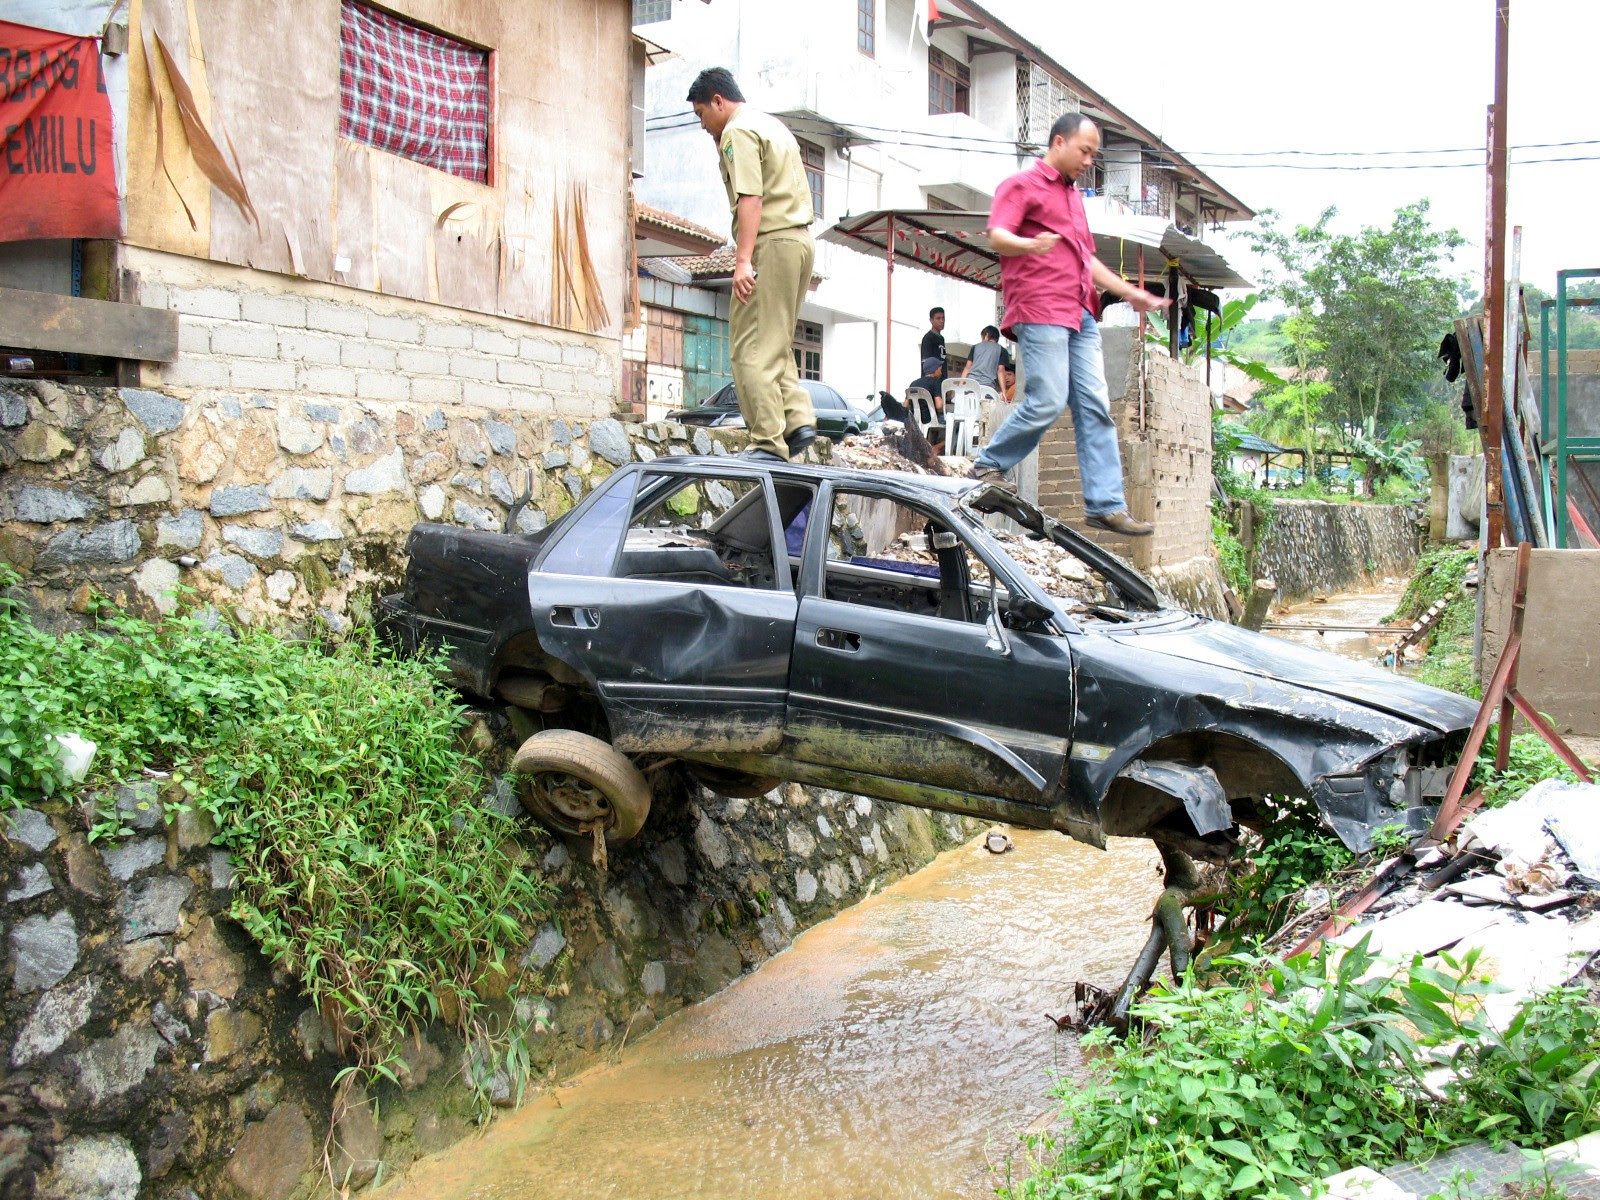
{"x":413,"y":92}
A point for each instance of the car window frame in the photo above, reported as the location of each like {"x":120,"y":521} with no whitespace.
{"x":1005,"y":570}
{"x":783,"y":577}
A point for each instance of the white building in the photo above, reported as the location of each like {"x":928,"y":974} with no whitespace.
{"x":891,"y":111}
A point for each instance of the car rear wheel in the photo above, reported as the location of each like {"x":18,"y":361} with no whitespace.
{"x":735,"y":785}
{"x":569,"y":782}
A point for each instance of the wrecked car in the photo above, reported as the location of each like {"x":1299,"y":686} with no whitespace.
{"x":921,"y":639}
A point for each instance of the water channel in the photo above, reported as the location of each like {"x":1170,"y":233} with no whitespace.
{"x":895,"y":1050}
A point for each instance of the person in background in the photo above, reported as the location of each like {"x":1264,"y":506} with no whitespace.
{"x":1048,"y":275}
{"x":933,"y":340}
{"x":987,"y":360}
{"x":771,"y":202}
{"x":932,"y":381}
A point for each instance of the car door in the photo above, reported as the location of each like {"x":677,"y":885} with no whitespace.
{"x":832,"y":411}
{"x":895,"y":673}
{"x":666,"y":596}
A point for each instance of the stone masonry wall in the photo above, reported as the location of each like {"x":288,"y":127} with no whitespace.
{"x":277,"y":465}
{"x":1166,"y":467}
{"x":1312,"y":547}
{"x":148,"y":1049}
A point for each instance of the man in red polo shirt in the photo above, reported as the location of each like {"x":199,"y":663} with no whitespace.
{"x":1049,"y":276}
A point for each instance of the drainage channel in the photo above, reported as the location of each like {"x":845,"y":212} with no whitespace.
{"x":895,"y":1050}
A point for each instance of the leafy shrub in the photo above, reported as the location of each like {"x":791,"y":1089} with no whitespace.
{"x":336,"y":774}
{"x":1438,"y":576}
{"x":1293,"y":852}
{"x":1528,"y":761}
{"x":1281,"y":1074}
{"x":1230,"y":553}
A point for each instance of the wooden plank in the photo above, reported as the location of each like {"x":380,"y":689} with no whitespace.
{"x":74,"y":325}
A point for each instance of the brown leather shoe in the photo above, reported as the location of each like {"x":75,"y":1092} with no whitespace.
{"x":987,"y":474}
{"x":1120,"y":522}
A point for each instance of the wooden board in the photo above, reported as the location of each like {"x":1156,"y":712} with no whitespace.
{"x":284,"y":124}
{"x":269,"y":78}
{"x":74,"y":325}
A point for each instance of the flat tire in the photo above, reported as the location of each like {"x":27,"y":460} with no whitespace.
{"x":568,"y":780}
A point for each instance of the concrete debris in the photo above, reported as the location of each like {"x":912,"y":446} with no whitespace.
{"x":1517,"y":832}
{"x":1508,"y":892}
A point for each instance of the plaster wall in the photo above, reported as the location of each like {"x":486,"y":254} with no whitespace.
{"x":1560,"y":657}
{"x":786,"y":60}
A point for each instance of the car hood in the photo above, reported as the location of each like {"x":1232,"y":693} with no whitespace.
{"x":1232,"y":648}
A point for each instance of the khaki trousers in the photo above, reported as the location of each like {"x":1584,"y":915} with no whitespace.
{"x":764,"y":375}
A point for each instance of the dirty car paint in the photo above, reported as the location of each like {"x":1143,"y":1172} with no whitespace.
{"x":1039,"y":725}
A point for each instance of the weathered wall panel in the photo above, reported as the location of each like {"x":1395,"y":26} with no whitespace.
{"x":268,"y":79}
{"x":1560,"y":657}
{"x":272,"y":81}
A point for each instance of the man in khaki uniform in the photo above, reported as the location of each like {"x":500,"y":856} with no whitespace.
{"x":771,"y":204}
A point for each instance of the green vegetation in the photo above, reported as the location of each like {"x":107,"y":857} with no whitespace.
{"x":1220,"y":331}
{"x":1235,"y":562}
{"x":1529,"y":760}
{"x":1439,"y":575}
{"x":1293,"y":852}
{"x":336,"y":775}
{"x":1274,"y":1075}
{"x":1373,"y":304}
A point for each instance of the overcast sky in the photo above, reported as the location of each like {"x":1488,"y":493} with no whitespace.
{"x":1365,"y":75}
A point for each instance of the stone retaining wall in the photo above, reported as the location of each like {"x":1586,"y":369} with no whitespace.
{"x":273,"y":506}
{"x":1312,"y":547}
{"x":151,"y":1050}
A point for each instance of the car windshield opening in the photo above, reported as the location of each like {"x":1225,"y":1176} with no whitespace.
{"x":1085,"y":578}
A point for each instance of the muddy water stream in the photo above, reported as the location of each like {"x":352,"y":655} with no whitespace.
{"x":895,"y":1050}
{"x":1363,"y":609}
{"x":892,"y":1051}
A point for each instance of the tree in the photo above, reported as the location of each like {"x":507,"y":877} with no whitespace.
{"x":1377,"y":302}
{"x":1233,"y":313}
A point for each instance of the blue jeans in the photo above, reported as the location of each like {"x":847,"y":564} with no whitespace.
{"x":1064,"y":367}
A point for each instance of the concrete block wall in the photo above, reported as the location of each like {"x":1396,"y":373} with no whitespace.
{"x":1166,"y":461}
{"x":243,"y":330}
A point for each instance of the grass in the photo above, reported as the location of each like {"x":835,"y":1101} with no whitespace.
{"x":339,"y":781}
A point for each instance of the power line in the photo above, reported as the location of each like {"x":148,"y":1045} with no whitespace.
{"x":929,"y":140}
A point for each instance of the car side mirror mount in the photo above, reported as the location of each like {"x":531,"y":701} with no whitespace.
{"x":1028,"y":613}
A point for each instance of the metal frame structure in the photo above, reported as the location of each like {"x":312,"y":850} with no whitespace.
{"x":1561,"y":512}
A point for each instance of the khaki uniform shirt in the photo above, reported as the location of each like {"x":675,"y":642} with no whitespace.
{"x":759,"y":157}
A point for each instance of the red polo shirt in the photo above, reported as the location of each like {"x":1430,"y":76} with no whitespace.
{"x":1045,"y":289}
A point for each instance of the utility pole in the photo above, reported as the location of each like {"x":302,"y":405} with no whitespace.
{"x":1494,"y":292}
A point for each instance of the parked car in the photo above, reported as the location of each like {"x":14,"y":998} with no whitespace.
{"x":836,"y":417}
{"x":878,"y":633}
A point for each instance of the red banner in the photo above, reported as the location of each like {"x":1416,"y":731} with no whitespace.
{"x":57,"y":177}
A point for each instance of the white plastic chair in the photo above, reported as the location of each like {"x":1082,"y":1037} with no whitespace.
{"x":963,"y":416}
{"x":920,"y":402}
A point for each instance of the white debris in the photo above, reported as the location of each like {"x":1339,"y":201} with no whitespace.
{"x":1517,"y":832}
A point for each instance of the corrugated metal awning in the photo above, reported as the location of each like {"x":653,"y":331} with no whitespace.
{"x":955,"y":244}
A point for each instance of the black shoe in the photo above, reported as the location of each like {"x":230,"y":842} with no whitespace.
{"x":757,"y":454}
{"x":799,"y":439}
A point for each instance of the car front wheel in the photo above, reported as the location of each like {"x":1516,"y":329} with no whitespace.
{"x":571,"y":782}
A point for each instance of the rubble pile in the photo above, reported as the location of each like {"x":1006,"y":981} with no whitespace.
{"x":1520,"y":883}
{"x":894,"y":446}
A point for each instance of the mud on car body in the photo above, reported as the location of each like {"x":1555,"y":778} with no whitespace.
{"x":919,"y":639}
